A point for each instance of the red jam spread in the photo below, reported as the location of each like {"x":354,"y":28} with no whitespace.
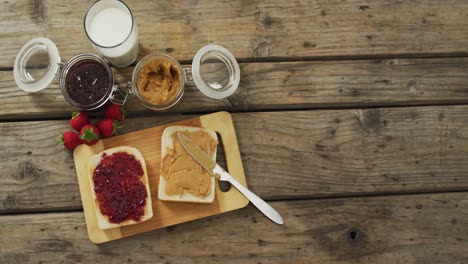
{"x":119,"y":190}
{"x":87,"y":82}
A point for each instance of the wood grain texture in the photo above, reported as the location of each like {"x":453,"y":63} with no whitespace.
{"x":423,"y":229}
{"x":298,"y":154}
{"x":252,"y":29}
{"x":354,"y":152}
{"x":303,"y":85}
{"x":287,"y":85}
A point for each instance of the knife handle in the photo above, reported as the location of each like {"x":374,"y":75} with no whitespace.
{"x":263,"y":206}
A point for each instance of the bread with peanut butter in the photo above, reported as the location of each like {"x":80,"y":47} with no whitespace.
{"x":182,"y":179}
{"x":119,"y":183}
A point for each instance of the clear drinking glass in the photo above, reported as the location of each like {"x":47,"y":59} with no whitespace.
{"x":111,"y":28}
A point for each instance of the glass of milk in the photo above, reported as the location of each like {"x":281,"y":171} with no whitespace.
{"x":111,"y":28}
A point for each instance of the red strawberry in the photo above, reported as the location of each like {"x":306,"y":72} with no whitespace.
{"x":89,"y":134}
{"x":108,"y":127}
{"x":78,"y":120}
{"x":116,"y":112}
{"x":69,"y":139}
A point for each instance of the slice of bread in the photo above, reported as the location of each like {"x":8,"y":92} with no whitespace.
{"x":167,"y":144}
{"x":103,"y":220}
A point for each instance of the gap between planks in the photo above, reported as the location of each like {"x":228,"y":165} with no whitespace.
{"x":273,"y":201}
{"x":328,"y":58}
{"x":345,"y":106}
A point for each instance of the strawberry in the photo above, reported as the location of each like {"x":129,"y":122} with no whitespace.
{"x":116,"y":112}
{"x":89,"y":134}
{"x":108,"y":127}
{"x":69,"y":139}
{"x":78,"y":120}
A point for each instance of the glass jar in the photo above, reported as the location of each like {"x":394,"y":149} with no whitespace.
{"x":73,"y":76}
{"x":38,"y":64}
{"x":181,"y":77}
{"x":214,"y":71}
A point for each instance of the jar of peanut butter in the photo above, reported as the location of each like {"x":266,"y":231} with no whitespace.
{"x":159,"y":80}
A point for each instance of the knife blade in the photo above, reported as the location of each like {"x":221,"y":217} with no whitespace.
{"x":214,"y":169}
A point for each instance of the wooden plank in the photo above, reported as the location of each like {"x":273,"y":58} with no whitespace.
{"x":288,"y":85}
{"x":354,"y":152}
{"x":17,"y":104}
{"x":305,"y":85}
{"x":285,"y":155}
{"x":252,"y":29}
{"x":395,"y":229}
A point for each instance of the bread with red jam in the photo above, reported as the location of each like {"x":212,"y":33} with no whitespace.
{"x":119,"y":183}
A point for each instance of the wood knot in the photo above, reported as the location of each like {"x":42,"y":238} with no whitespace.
{"x":441,"y":116}
{"x":10,"y":202}
{"x":27,"y":170}
{"x":262,"y":242}
{"x":40,"y":11}
{"x":353,"y":234}
{"x":364,"y":7}
{"x":370,"y":120}
{"x":308,"y":44}
{"x":266,"y":20}
{"x":262,"y":49}
{"x":320,"y":147}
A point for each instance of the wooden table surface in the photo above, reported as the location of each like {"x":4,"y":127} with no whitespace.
{"x":351,"y":118}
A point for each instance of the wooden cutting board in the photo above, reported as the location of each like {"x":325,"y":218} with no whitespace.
{"x":148,"y":141}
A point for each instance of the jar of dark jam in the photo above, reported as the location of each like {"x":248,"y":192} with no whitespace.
{"x":86,"y":80}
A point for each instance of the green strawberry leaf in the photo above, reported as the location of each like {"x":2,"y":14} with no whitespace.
{"x":116,"y":126}
{"x":60,"y":139}
{"x":89,"y":135}
{"x":123,"y":109}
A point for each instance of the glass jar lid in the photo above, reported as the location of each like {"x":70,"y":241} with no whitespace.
{"x":215,"y":72}
{"x":36,"y":65}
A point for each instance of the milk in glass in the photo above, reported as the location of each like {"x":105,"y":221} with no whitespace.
{"x":112,"y":30}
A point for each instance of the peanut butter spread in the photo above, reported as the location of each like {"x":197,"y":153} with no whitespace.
{"x":159,"y":81}
{"x":181,"y":172}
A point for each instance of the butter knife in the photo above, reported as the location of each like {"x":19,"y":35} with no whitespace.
{"x":214,"y":169}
